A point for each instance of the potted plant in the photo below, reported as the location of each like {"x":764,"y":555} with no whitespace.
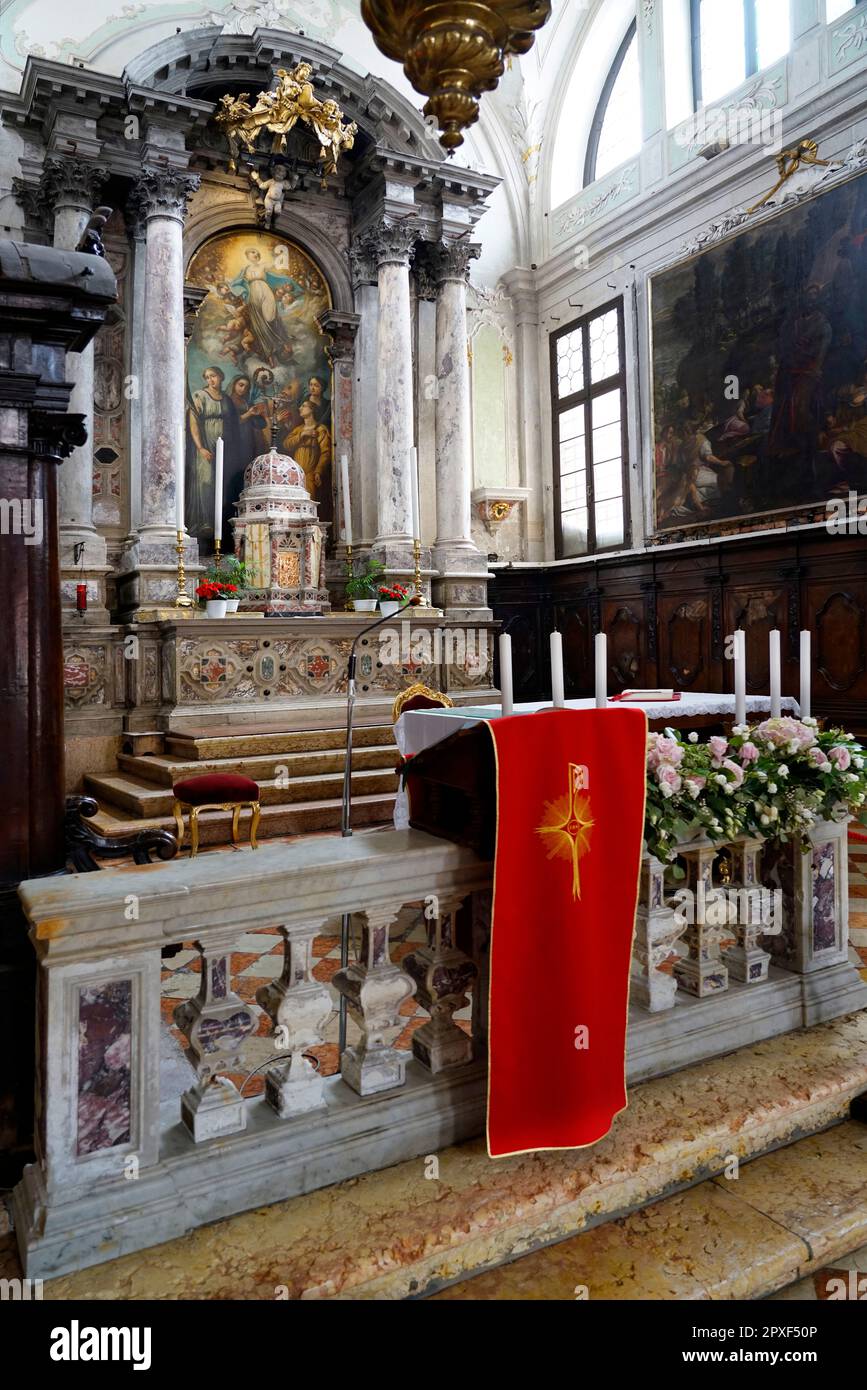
{"x":392,"y":597}
{"x":211,"y":595}
{"x":363,"y":588}
{"x":231,"y":574}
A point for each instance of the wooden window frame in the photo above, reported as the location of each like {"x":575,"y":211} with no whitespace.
{"x":586,"y":396}
{"x":602,"y":105}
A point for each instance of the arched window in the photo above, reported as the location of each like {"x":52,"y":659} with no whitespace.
{"x":732,"y":40}
{"x":615,"y":134}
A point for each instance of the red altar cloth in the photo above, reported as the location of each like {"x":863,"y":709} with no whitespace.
{"x":570,"y":822}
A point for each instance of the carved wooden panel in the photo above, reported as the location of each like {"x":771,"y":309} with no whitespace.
{"x":623,"y":625}
{"x":839,"y":625}
{"x":759,"y":612}
{"x":685,"y":637}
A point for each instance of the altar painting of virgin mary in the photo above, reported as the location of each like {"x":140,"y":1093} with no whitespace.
{"x":256,"y":359}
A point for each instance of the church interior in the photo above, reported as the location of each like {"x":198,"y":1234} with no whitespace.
{"x":433,"y":516}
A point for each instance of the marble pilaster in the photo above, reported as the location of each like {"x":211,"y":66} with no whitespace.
{"x":342,"y":328}
{"x":70,"y":191}
{"x":149,"y":561}
{"x":521,"y":289}
{"x":461,"y":588}
{"x":364,"y":413}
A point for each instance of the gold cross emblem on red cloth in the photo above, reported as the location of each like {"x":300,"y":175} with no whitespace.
{"x":566,"y":824}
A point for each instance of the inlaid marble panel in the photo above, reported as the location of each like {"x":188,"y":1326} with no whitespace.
{"x":104,"y":1066}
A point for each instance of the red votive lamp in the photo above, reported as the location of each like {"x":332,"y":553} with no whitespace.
{"x":81,"y":598}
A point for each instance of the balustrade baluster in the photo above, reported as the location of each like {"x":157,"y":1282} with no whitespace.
{"x":657,"y":928}
{"x":443,"y":974}
{"x":701,"y":972}
{"x":746,"y":960}
{"x":374,"y":988}
{"x":216,"y":1023}
{"x":299,"y":1007}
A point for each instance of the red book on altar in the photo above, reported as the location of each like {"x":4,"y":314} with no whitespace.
{"x":558,"y":799}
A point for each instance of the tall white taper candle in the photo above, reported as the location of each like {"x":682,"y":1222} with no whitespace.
{"x":507,"y":701}
{"x":740,"y":659}
{"x":218,"y":492}
{"x":179,"y":482}
{"x":776,"y":674}
{"x":600,"y":654}
{"x":558,"y":691}
{"x":805,"y":674}
{"x":413,"y":480}
{"x":345,"y":500}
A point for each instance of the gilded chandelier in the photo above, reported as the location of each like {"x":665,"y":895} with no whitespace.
{"x":453,"y":50}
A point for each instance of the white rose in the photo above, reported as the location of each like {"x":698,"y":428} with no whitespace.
{"x":772,"y":787}
{"x":693,"y":738}
{"x":765,"y":820}
{"x":783,"y":770}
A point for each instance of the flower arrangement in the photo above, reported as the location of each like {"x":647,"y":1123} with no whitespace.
{"x":211,"y":589}
{"x":393,"y":593}
{"x":775,"y":779}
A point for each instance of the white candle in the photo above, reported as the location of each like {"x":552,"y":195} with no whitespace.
{"x":218,"y":492}
{"x":740,"y":657}
{"x":558,"y":692}
{"x":600,"y":652}
{"x":413,"y":483}
{"x":345,"y":499}
{"x":776,"y":674}
{"x":179,"y":482}
{"x":805,"y":674}
{"x":507,"y":700}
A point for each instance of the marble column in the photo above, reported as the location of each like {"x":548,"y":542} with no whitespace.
{"x":521,"y":288}
{"x":364,"y":463}
{"x":393,"y":243}
{"x":461,"y":587}
{"x":148,"y":565}
{"x":70,"y":191}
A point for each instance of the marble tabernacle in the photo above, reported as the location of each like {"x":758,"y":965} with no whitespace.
{"x":280,"y":538}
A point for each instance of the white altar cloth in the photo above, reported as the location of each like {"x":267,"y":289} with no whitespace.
{"x":418,"y":729}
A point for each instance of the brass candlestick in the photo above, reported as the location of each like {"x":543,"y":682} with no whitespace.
{"x":421,"y":601}
{"x":217,"y":557}
{"x":183,"y":599}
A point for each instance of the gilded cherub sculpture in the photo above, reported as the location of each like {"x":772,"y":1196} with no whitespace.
{"x":278,"y":111}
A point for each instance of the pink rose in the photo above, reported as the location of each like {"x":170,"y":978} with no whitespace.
{"x":695,"y":784}
{"x":817,"y":757}
{"x":749,"y":753}
{"x":668,"y":776}
{"x":718,"y":747}
{"x":663,"y":750}
{"x":736,"y":771}
{"x":840,"y":756}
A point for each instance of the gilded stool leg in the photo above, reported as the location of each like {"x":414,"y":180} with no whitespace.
{"x":254,"y":823}
{"x":178,"y":814}
{"x":236,"y":817}
{"x":194,"y":831}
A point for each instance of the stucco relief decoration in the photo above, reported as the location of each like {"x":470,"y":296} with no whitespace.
{"x":624,"y":186}
{"x":490,"y":307}
{"x":526,"y":129}
{"x":850,"y":41}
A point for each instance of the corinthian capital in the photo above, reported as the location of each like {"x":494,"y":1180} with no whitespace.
{"x":162,"y":193}
{"x":392,"y":242}
{"x":450,"y":260}
{"x":71,"y":181}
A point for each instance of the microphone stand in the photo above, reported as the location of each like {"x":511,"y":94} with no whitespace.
{"x":346,"y":816}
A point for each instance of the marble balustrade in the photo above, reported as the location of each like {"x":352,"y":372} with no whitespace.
{"x":211,"y":1151}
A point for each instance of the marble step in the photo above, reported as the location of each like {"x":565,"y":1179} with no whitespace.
{"x":655,"y":1190}
{"x":147,"y":800}
{"x":165,"y":769}
{"x":215,"y":826}
{"x":232,"y":743}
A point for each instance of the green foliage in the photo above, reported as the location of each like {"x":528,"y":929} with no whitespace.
{"x":366,"y":584}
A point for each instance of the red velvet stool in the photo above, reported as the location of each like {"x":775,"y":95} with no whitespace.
{"x":216,"y":791}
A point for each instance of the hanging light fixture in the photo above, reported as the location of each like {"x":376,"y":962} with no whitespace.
{"x":454,"y":50}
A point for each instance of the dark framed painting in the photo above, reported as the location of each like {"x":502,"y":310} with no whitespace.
{"x":257,"y":369}
{"x":759,"y":368}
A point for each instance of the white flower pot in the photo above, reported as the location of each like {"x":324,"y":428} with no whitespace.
{"x":216,"y":608}
{"x":232,"y":605}
{"x":364,"y":605}
{"x":388,"y":607}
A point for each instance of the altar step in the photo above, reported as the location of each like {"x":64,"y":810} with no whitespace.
{"x":657,"y":1209}
{"x":299,"y":772}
